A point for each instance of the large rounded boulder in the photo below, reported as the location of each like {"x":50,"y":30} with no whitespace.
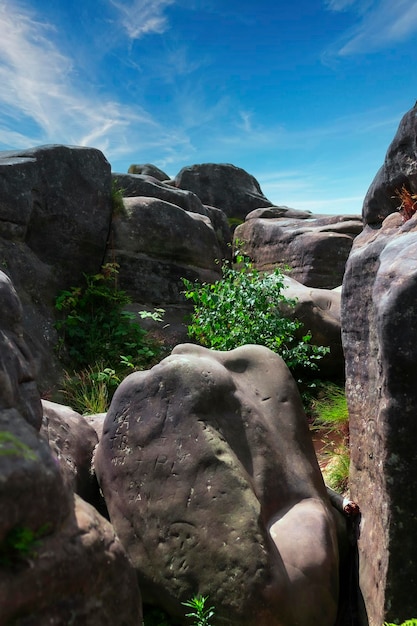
{"x":224,"y":186}
{"x":211,"y":482}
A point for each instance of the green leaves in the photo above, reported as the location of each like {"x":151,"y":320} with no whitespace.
{"x":243,"y":307}
{"x":93,"y":325}
{"x":200,"y":613}
{"x":103,"y":342}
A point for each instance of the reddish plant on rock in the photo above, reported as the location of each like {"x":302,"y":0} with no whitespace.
{"x":408,"y":204}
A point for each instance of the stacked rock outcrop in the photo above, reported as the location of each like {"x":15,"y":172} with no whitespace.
{"x":379,"y":329}
{"x":60,"y":561}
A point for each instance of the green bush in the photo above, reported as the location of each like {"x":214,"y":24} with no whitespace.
{"x":409,"y":622}
{"x":100,"y":341}
{"x":244,"y":307}
{"x":94,"y":325}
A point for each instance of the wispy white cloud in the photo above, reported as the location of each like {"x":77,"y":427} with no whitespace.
{"x":305,"y":190}
{"x":246,"y":131}
{"x":339,"y":5}
{"x":41,"y":91}
{"x":381,"y":23}
{"x":142,"y":17}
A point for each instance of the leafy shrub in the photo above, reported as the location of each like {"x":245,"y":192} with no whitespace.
{"x":100,"y":341}
{"x":243,"y":307}
{"x":408,"y":622}
{"x":94,"y":325}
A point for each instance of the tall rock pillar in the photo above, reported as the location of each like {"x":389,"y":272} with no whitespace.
{"x":379,"y":333}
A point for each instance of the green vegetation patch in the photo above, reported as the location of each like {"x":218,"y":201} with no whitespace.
{"x":244,"y":307}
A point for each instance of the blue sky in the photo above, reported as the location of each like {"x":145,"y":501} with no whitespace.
{"x":305,"y":95}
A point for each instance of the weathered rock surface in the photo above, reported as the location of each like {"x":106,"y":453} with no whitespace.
{"x":18,"y":389}
{"x":60,"y":561}
{"x":79,"y":574}
{"x":133,"y":185}
{"x":315,"y":249}
{"x":55,"y":210}
{"x":65,"y":206}
{"x":156,"y":243}
{"x":399,"y":168}
{"x":211,"y":481}
{"x":224,"y":186}
{"x":73,"y":440}
{"x":147,"y":169}
{"x":319,"y":311}
{"x":379,"y":330}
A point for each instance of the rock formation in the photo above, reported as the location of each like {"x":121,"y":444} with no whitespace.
{"x":72,"y":441}
{"x":156,"y":243}
{"x":379,"y":330}
{"x":55,"y":209}
{"x":319,"y":311}
{"x":147,"y":169}
{"x":211,"y":481}
{"x":60,"y":561}
{"x":224,"y":186}
{"x":217,"y":481}
{"x":399,"y":168}
{"x":315,"y":249}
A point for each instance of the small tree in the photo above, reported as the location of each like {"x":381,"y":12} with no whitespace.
{"x":245,"y":307}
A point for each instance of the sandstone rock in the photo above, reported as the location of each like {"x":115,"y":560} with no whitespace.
{"x":279,"y":211}
{"x":223,"y":231}
{"x":79,"y":575}
{"x":73,"y":441}
{"x":60,"y":561}
{"x":96,"y":421}
{"x":136,"y":185}
{"x":379,"y":331}
{"x":314,"y":249}
{"x":399,"y":168}
{"x":66,"y":204}
{"x":156,"y":243}
{"x":224,"y":186}
{"x":17,"y":385}
{"x":147,"y":169}
{"x":212,"y":484}
{"x":55,"y":212}
{"x":319,"y":311}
